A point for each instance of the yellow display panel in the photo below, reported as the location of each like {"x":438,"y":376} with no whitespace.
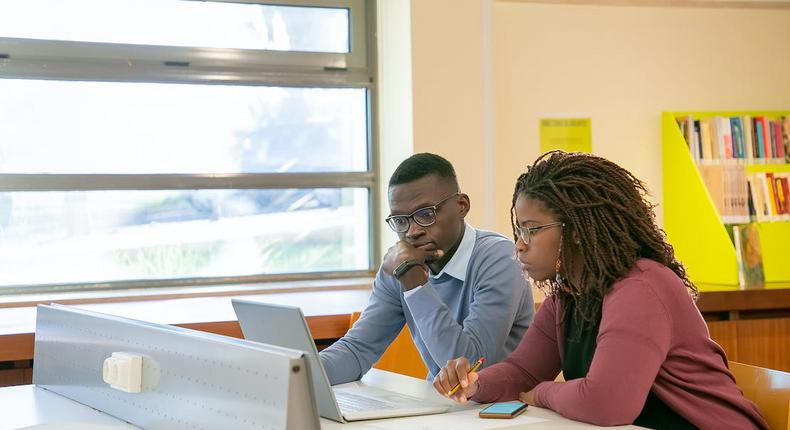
{"x":693,"y":224}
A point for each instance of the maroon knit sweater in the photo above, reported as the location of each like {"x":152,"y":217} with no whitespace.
{"x":651,"y":338}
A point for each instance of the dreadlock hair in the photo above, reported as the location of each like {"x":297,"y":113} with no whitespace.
{"x":606,"y":213}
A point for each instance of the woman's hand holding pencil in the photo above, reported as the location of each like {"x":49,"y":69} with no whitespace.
{"x":458,"y":380}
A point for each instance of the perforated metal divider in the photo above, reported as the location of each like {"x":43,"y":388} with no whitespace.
{"x":190,"y":380}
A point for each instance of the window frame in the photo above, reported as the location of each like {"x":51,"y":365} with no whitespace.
{"x":76,"y":61}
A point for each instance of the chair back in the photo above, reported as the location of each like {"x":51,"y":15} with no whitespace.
{"x":769,"y":389}
{"x":401,"y":356}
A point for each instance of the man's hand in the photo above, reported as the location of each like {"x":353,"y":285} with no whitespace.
{"x":403,"y":251}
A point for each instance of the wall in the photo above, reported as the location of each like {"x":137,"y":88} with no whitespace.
{"x":394,"y":105}
{"x":625,"y":65}
{"x":620,"y":65}
{"x":449,"y":71}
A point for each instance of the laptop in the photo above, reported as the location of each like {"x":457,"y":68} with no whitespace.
{"x":285,"y":326}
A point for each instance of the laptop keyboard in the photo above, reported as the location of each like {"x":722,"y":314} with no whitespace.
{"x":355,"y":402}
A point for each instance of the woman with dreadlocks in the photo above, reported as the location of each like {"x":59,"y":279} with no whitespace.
{"x":619,"y":319}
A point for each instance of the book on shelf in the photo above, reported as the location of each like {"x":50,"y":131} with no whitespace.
{"x":723,"y":147}
{"x":748,"y":253}
{"x":737,"y":139}
{"x":748,"y":138}
{"x":728,"y":187}
{"x":770,"y":196}
{"x":786,"y":137}
{"x":736,"y":128}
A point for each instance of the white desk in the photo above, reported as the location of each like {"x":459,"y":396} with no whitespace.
{"x":456,"y":419}
{"x":28,"y":405}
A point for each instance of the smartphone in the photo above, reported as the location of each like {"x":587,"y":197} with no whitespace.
{"x":503,"y":410}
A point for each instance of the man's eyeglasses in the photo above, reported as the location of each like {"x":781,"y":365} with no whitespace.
{"x":525,"y":233}
{"x":423,"y":217}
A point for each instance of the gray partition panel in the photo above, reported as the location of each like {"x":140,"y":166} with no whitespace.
{"x":191,"y":380}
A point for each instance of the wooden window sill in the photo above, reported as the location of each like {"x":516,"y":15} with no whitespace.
{"x":327,"y":313}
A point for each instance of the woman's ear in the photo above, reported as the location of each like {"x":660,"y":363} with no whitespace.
{"x":576,"y":238}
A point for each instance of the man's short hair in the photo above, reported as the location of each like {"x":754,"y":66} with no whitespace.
{"x":420,"y":165}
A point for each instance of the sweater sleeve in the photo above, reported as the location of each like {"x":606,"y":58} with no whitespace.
{"x":355,"y":353}
{"x":498,"y":287}
{"x":633,"y":342}
{"x":536,"y":359}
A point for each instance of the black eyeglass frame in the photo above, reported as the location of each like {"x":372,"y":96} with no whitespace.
{"x":410,"y":217}
{"x":525,"y":233}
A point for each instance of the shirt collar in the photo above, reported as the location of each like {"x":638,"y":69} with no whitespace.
{"x":458,"y":263}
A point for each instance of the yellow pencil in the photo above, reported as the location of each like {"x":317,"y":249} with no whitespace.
{"x":474,"y":368}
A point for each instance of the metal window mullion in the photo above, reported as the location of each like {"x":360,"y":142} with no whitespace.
{"x":54,"y":51}
{"x":94,"y":182}
{"x":119,"y":69}
{"x":374,"y":196}
{"x":182,"y":282}
{"x":358,"y":58}
{"x":297,"y":3}
{"x":119,"y":73}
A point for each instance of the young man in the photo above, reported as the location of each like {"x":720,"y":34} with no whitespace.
{"x":460,"y":290}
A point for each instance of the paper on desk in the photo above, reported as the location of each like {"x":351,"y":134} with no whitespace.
{"x":460,"y":420}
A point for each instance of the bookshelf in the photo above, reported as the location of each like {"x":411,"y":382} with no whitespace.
{"x":693,"y":224}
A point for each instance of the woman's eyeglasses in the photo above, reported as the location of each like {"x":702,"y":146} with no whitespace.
{"x":525,"y":233}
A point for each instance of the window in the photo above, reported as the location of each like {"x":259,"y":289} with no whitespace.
{"x":180,"y":142}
